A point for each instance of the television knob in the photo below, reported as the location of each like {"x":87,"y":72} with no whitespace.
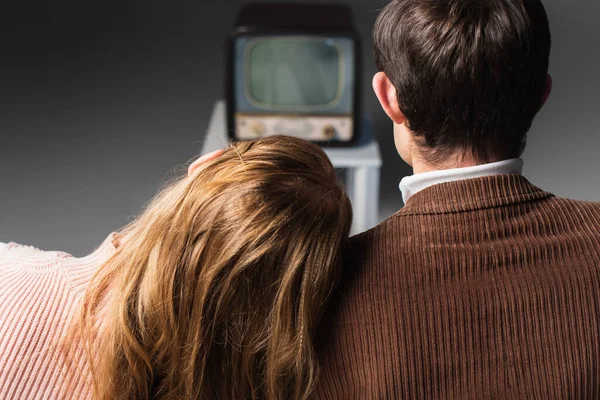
{"x":329,"y":131}
{"x":258,"y":129}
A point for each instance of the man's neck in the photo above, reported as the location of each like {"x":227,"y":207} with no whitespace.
{"x":424,"y":179}
{"x":420,"y":164}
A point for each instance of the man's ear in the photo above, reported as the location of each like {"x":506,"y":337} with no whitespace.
{"x":388,"y":97}
{"x":547,"y":90}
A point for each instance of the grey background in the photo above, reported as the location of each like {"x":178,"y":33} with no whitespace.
{"x":101,"y":103}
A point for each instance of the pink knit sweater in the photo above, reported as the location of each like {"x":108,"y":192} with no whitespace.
{"x":40,"y":291}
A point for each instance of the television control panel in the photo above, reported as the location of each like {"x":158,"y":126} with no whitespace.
{"x":316,"y":128}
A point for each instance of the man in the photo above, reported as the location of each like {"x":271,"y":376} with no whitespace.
{"x":482,"y":286}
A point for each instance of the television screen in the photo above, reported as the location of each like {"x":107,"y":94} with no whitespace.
{"x":296,"y":71}
{"x":293,"y":69}
{"x":302,"y":85}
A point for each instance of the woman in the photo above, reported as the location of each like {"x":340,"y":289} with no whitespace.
{"x":213,"y":292}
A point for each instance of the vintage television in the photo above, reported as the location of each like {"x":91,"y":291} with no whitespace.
{"x":294,"y":70}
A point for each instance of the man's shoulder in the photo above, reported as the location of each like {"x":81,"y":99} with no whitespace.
{"x":403,"y":237}
{"x":579,"y":205}
{"x":402,"y":224}
{"x":580,"y":213}
{"x":392,"y":224}
{"x":395,"y":231}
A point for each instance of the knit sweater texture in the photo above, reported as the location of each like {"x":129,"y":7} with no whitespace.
{"x":486,"y":288}
{"x":40,"y":293}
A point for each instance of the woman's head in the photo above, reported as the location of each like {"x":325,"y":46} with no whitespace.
{"x":218,"y":287}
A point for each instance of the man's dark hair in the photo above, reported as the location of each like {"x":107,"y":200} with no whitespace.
{"x":470,"y":74}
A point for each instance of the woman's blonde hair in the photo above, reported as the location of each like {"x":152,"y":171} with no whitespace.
{"x":220,"y":283}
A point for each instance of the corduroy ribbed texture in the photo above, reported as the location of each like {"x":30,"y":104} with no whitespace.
{"x":40,"y":292}
{"x":478,"y":289}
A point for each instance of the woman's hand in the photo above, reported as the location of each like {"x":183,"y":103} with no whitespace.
{"x":205,"y":158}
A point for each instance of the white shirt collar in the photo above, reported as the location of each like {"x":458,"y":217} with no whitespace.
{"x":415,"y":183}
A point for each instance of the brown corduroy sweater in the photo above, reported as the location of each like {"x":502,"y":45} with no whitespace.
{"x":477,"y":289}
